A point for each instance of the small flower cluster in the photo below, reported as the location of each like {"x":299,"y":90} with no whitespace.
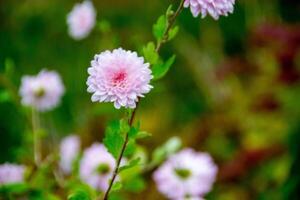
{"x":11,"y":173}
{"x":186,"y":175}
{"x":43,"y":91}
{"x":81,"y":20}
{"x":214,"y":8}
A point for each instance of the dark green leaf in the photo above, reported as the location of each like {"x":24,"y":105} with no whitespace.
{"x":79,"y":194}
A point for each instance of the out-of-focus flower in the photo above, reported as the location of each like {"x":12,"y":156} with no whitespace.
{"x":215,"y":8}
{"x":11,"y":173}
{"x":43,"y":92}
{"x":69,"y":150}
{"x":186,"y":175}
{"x":119,"y":76}
{"x":96,"y":166}
{"x":81,"y":20}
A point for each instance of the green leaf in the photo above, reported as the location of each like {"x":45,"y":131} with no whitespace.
{"x":169,"y":11}
{"x":135,"y":184}
{"x":117,"y":186}
{"x":160,"y":70}
{"x":124,"y":126}
{"x":130,"y":148}
{"x":170,"y":147}
{"x":143,"y":134}
{"x":4,"y":96}
{"x":113,"y":139}
{"x":159,"y":27}
{"x":133,"y":132}
{"x":173,"y":32}
{"x":131,"y":164}
{"x":79,"y":194}
{"x":150,"y":54}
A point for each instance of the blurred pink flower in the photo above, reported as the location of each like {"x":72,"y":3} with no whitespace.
{"x":43,"y":92}
{"x":81,"y":20}
{"x":11,"y":173}
{"x":96,"y":166}
{"x":215,"y":8}
{"x":186,"y":175}
{"x":69,"y":150}
{"x":119,"y":76}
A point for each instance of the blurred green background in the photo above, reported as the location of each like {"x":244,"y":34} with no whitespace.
{"x":234,"y":90}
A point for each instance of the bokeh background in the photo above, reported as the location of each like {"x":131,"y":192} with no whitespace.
{"x":234,"y":90}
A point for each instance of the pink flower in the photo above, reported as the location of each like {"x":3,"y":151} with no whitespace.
{"x":119,"y":76}
{"x":43,"y":92}
{"x":186,"y":175}
{"x":11,"y":173}
{"x":69,"y":150}
{"x":81,"y":20}
{"x":96,"y":166}
{"x":215,"y":8}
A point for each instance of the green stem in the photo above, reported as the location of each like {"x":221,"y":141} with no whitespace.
{"x":171,"y":22}
{"x":36,"y":139}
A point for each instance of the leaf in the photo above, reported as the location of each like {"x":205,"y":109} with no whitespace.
{"x":79,"y":194}
{"x":160,"y":70}
{"x":143,"y":134}
{"x":131,"y":164}
{"x":150,"y":54}
{"x":4,"y":96}
{"x":130,"y":148}
{"x":173,"y":32}
{"x":124,"y":126}
{"x":133,"y":132}
{"x":159,"y":27}
{"x":113,"y":139}
{"x":170,"y":147}
{"x":135,"y":184}
{"x":117,"y":186}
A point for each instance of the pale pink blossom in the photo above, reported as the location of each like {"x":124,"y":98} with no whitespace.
{"x":186,"y":175}
{"x":214,"y":8}
{"x":43,"y":91}
{"x":119,"y":76}
{"x":69,"y":151}
{"x":81,"y":20}
{"x":96,"y":166}
{"x":11,"y":173}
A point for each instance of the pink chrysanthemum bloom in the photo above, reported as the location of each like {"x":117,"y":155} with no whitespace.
{"x":43,"y":92}
{"x":11,"y":173}
{"x":81,"y":20}
{"x":215,"y":8}
{"x":69,"y":151}
{"x":119,"y":76}
{"x":186,"y":175}
{"x":96,"y":166}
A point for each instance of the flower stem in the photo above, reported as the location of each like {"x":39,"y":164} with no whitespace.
{"x":170,"y":24}
{"x":36,"y":140}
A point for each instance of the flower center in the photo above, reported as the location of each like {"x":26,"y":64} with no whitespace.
{"x":40,"y":92}
{"x":183,"y":173}
{"x":119,"y":77}
{"x":103,"y":169}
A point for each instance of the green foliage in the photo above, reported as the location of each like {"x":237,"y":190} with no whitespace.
{"x":79,"y":194}
{"x":131,"y":164}
{"x":159,"y":27}
{"x":117,"y":186}
{"x":162,"y":152}
{"x":114,"y":140}
{"x":150,"y":54}
{"x":135,"y":184}
{"x":160,"y":69}
{"x":173,"y":32}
